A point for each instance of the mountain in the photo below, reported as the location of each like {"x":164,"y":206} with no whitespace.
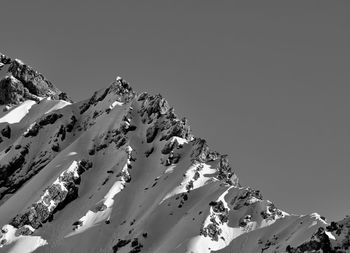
{"x":120,"y":172}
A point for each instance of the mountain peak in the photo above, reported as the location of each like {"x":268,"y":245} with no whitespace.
{"x":19,"y":82}
{"x":120,"y":172}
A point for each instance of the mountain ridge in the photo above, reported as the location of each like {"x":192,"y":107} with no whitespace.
{"x":120,"y":172}
{"x":23,"y":82}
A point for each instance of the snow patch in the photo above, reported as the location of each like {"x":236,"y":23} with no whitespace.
{"x":114,"y":104}
{"x":18,"y":113}
{"x":22,"y":243}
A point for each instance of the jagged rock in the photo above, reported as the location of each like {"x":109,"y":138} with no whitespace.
{"x":71,"y":124}
{"x":244,"y":221}
{"x":156,"y":105}
{"x":4,"y":59}
{"x":23,"y":231}
{"x":33,"y":81}
{"x":173,"y":158}
{"x":180,"y":128}
{"x":6,"y":132}
{"x":11,"y":91}
{"x":200,"y":150}
{"x":49,"y":119}
{"x":100,"y":207}
{"x":149,"y":152}
{"x":225,"y":172}
{"x":55,"y":147}
{"x":202,"y":154}
{"x":218,"y":207}
{"x":65,"y":97}
{"x":120,"y":244}
{"x":212,"y":230}
{"x":196,"y":176}
{"x":170,"y":146}
{"x":62,"y":132}
{"x":121,"y":90}
{"x":15,"y":164}
{"x":319,"y":241}
{"x":246,"y":197}
{"x":151,"y":133}
{"x":23,"y":82}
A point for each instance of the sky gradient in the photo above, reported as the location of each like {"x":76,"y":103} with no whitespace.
{"x":266,"y":82}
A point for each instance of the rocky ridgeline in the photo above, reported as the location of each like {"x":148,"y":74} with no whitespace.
{"x":201,"y":153}
{"x":23,"y":82}
{"x":120,"y":90}
{"x":57,"y":196}
{"x":144,"y":116}
{"x":21,"y":165}
{"x":320,"y":241}
{"x":9,"y":182}
{"x":218,"y":216}
{"x":156,"y":112}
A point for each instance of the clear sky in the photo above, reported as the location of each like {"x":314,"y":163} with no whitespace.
{"x":266,"y":82}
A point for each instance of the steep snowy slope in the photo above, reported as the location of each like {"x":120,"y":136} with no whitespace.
{"x":120,"y":172}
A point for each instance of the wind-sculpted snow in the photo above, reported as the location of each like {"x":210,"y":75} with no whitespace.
{"x":120,"y":172}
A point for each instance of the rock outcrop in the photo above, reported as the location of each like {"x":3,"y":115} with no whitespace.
{"x":121,"y":172}
{"x":22,"y":82}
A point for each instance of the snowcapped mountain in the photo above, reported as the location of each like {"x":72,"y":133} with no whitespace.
{"x":120,"y":172}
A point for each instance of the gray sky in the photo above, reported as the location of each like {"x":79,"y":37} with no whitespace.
{"x":266,"y":82}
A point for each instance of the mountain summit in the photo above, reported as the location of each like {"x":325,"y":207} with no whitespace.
{"x":120,"y":172}
{"x":20,"y":82}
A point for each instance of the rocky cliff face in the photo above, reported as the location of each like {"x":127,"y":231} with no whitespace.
{"x":20,"y":82}
{"x":120,"y":172}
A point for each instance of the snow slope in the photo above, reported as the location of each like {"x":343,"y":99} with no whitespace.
{"x":119,"y":172}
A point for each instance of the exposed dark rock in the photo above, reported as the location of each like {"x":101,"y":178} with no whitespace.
{"x":170,"y":146}
{"x":33,"y":131}
{"x":64,"y":96}
{"x":55,"y":147}
{"x":153,"y":105}
{"x":100,"y":207}
{"x":120,"y":244}
{"x":39,"y":213}
{"x":71,"y":124}
{"x":5,"y":59}
{"x":121,"y":142}
{"x":120,"y":90}
{"x":62,"y":132}
{"x":179,"y":128}
{"x":23,"y":231}
{"x":11,"y":91}
{"x":25,"y":83}
{"x":15,"y":164}
{"x":149,"y":152}
{"x":84,"y":165}
{"x":151,"y":133}
{"x":49,"y":119}
{"x":225,"y":172}
{"x":6,"y":132}
{"x":319,"y":241}
{"x":201,"y":152}
{"x":212,"y":230}
{"x":218,"y":207}
{"x":173,"y":158}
